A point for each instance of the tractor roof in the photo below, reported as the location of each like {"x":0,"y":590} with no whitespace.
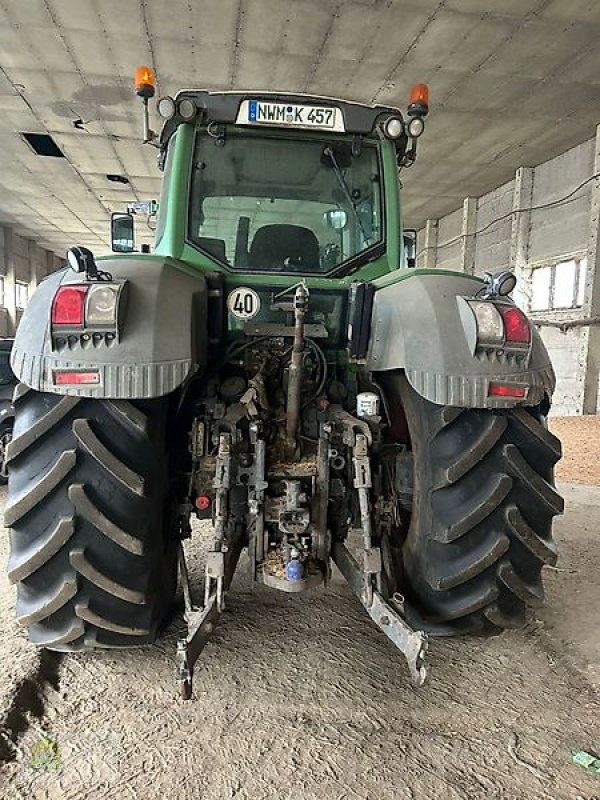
{"x":224,"y":107}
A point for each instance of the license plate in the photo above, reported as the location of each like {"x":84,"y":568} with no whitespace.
{"x":290,"y":115}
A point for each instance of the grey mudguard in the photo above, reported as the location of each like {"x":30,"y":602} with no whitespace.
{"x":417,"y":326}
{"x":161,"y":338}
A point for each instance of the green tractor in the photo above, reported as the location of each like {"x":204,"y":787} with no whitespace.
{"x":276,"y":366}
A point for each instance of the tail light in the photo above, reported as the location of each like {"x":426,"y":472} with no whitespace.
{"x":516,"y":325}
{"x":501,"y":330}
{"x":499,"y":325}
{"x":68,"y":305}
{"x":94,"y":305}
{"x":74,"y":377}
{"x":503,"y":390}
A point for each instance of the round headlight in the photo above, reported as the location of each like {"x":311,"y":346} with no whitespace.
{"x":393,"y":127}
{"x":166,"y":107}
{"x":101,"y":305}
{"x":186,"y":109}
{"x":416,"y":127}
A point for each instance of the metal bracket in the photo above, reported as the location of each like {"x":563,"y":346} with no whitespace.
{"x":372,"y":563}
{"x":201,"y":621}
{"x":258,"y":545}
{"x":413,"y":644}
{"x":215,"y":572}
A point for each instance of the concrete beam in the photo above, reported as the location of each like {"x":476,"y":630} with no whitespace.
{"x":519,"y":235}
{"x":430,"y":244}
{"x":588,"y":362}
{"x":467,"y":244}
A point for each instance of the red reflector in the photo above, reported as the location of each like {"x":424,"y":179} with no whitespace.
{"x":516,"y":325}
{"x":203,"y":502}
{"x":501,"y":390}
{"x":67,"y":306}
{"x":66,"y":377}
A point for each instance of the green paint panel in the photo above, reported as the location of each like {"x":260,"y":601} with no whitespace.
{"x":173,"y":242}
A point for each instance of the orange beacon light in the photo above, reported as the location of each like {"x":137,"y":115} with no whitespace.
{"x":144,"y":82}
{"x":418,"y":100}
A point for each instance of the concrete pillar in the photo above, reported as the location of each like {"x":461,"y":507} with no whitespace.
{"x":10,"y":294}
{"x":4,"y":321}
{"x":467,"y":242}
{"x":50,"y":262}
{"x":430,"y":244}
{"x":519,"y":235}
{"x":588,"y":362}
{"x":36,"y":268}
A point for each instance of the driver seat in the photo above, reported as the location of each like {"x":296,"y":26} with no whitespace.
{"x":290,"y":247}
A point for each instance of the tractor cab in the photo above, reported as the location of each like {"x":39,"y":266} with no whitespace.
{"x":283,"y":184}
{"x":299,"y":205}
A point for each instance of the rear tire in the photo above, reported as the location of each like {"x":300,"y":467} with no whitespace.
{"x":6,"y":432}
{"x":90,"y":553}
{"x":481,"y":524}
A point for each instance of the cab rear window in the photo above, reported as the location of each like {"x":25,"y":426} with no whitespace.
{"x":283,"y":204}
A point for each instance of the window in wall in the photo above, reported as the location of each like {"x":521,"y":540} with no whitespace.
{"x":558,"y":286}
{"x":541,"y":281}
{"x":581,"y":282}
{"x":22,"y":294}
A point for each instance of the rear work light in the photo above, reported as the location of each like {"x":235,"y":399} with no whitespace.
{"x":101,"y":305}
{"x":71,"y":377}
{"x":68,"y":305}
{"x":490,"y":329}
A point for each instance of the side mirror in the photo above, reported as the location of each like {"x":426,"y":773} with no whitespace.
{"x":335,"y":218}
{"x":409,"y":236}
{"x":121,"y":233}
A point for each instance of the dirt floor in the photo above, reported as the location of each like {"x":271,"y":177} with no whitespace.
{"x":580,"y":437}
{"x":302,"y":697}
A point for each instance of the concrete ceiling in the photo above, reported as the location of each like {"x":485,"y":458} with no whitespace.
{"x":513,"y":83}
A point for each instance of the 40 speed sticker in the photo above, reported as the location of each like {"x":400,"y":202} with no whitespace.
{"x":243,"y":303}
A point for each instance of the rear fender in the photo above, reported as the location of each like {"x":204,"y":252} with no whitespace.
{"x":416,"y":326}
{"x":162,"y":333}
